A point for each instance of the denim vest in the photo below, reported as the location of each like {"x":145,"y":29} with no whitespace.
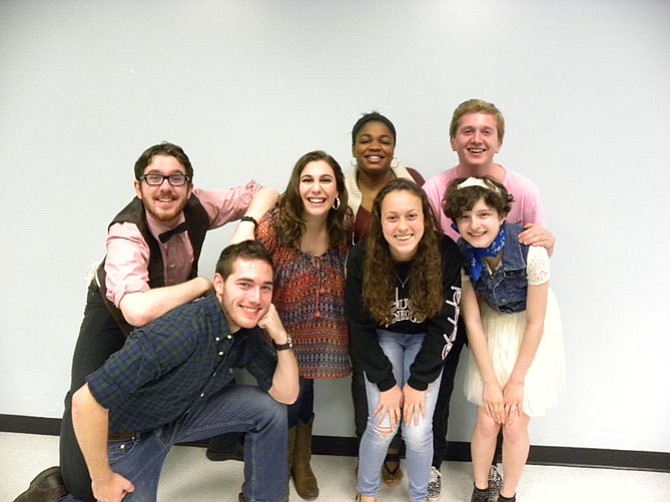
{"x":507,"y":288}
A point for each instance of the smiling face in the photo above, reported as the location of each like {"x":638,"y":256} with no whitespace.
{"x":476,"y":140}
{"x":374,"y":148}
{"x":403,"y":225}
{"x":480,"y":226}
{"x":165,"y":202}
{"x":246,"y":294}
{"x":318,"y":189}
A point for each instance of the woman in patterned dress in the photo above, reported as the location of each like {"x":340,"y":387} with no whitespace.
{"x":308,"y":234}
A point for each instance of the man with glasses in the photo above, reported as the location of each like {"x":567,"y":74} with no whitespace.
{"x":151,"y":266}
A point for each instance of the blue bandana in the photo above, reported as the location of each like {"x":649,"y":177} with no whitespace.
{"x":477,"y":255}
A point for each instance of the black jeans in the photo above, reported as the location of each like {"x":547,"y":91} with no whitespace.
{"x":441,"y":414}
{"x":99,"y":337}
{"x":303,"y":408}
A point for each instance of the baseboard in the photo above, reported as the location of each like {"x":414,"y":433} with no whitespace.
{"x":539,"y":455}
{"x":30,"y":425}
{"x":456,"y":451}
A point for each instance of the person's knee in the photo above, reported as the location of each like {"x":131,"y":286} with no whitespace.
{"x":515,"y":431}
{"x":486,"y":426}
{"x":418,"y":437}
{"x":274,"y":411}
{"x":384,"y":432}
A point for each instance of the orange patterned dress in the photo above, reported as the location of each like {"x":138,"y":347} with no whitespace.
{"x":309,"y":297}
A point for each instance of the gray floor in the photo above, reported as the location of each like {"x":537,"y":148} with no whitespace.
{"x":189,"y":477}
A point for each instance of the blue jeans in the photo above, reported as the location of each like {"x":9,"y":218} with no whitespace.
{"x":401,"y":350}
{"x":236,"y":408}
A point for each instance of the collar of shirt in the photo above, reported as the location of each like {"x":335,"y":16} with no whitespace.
{"x":157,"y":227}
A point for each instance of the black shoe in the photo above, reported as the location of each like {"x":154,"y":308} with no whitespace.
{"x":480,"y":495}
{"x":505,"y":499}
{"x":226,"y":447}
{"x":46,"y":487}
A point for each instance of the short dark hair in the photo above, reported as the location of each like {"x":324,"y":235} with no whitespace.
{"x":371,"y":117}
{"x":167,"y":149}
{"x":457,"y":201}
{"x":246,"y":250}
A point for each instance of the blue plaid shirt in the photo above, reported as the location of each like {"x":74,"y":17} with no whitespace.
{"x":177,"y":361}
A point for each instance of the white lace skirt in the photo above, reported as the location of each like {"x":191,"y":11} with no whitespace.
{"x":546,"y":376}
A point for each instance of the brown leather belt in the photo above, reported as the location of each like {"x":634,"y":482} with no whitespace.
{"x":123,"y":436}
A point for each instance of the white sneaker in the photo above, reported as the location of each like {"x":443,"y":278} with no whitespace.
{"x":434,"y":485}
{"x":495,"y":483}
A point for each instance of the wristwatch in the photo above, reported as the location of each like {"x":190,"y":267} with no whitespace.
{"x":284,"y":346}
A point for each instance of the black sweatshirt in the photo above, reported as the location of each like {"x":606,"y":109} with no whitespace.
{"x":440,"y":330}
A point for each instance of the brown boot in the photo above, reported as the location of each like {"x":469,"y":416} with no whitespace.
{"x":46,"y":487}
{"x":303,"y":477}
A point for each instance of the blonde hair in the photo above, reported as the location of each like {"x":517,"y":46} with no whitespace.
{"x":477,"y":106}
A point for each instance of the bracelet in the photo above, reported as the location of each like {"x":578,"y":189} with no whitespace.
{"x":251,"y":219}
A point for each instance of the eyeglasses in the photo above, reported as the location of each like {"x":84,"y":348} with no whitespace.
{"x":176,"y":180}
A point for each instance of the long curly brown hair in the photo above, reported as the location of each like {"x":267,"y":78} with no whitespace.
{"x":379,"y":276}
{"x":290,"y":206}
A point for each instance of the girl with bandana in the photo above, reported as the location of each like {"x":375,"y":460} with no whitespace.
{"x":513,"y":326}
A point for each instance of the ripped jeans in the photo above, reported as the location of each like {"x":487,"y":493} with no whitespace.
{"x":401,"y":350}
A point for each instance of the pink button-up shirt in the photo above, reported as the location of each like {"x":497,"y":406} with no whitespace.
{"x":526,"y":208}
{"x":127,"y":259}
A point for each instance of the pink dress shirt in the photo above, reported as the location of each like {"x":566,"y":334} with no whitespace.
{"x":127,"y":259}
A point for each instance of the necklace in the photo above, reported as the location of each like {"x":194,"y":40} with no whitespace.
{"x":402,"y":283}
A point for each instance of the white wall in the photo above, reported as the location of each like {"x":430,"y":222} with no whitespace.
{"x":248,"y":86}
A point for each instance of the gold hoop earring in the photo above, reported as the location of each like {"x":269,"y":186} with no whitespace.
{"x":395,"y":163}
{"x":336,"y":203}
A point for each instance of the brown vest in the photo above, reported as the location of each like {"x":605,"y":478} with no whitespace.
{"x":198,"y":224}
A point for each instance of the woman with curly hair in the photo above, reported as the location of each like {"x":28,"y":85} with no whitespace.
{"x":402,"y":301}
{"x":308,"y":235}
{"x":514,"y":329}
